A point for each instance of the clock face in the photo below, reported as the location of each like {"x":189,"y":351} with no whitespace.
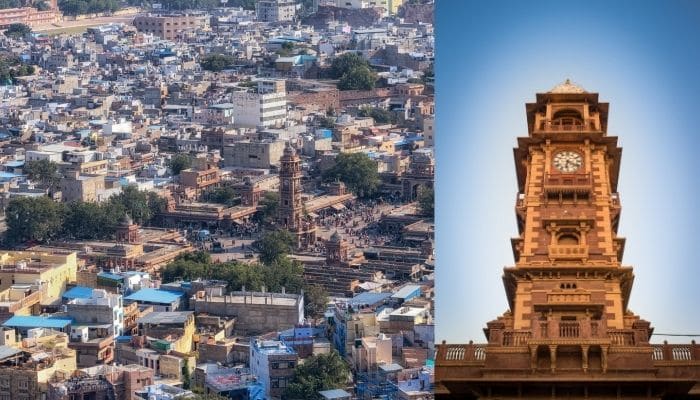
{"x":568,"y":161}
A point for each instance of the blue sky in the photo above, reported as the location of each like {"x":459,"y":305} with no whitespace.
{"x":643,"y":57}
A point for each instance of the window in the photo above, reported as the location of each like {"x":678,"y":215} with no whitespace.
{"x":275,"y":365}
{"x":567,"y":239}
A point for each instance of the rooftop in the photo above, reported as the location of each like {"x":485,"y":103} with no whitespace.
{"x":31,"y":321}
{"x":149,"y":295}
{"x":78,"y":292}
{"x":171,"y":317}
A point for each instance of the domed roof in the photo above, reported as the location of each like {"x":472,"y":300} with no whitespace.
{"x":567,"y":87}
{"x":126,"y":220}
{"x":335,"y":237}
{"x":289,"y":150}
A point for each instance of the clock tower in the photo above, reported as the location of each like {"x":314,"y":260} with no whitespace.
{"x":568,"y":332}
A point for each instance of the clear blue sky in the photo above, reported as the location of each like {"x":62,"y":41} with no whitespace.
{"x":643,"y":57}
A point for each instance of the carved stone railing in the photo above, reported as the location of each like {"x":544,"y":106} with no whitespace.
{"x":516,"y":338}
{"x":621,"y":337}
{"x":569,"y":329}
{"x":457,"y":353}
{"x":567,"y":252}
{"x":676,"y":353}
{"x":548,"y":126}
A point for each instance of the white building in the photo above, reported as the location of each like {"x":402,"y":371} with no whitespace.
{"x":100,"y":308}
{"x":217,"y":114}
{"x":276,"y":10}
{"x":264,"y":107}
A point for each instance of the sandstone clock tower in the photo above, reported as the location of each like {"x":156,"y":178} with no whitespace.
{"x":569,"y":332}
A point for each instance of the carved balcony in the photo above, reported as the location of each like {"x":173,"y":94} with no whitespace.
{"x":587,"y":125}
{"x":568,"y":252}
{"x":568,"y":183}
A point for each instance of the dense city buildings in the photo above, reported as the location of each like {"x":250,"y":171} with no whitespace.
{"x":569,"y":332}
{"x":218,"y":200}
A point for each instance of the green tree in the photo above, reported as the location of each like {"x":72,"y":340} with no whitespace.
{"x":33,"y":218}
{"x":317,"y":373}
{"x":345,"y":63}
{"x":224,"y":195}
{"x":357,"y":171}
{"x":283,"y":273}
{"x":380,"y":115}
{"x":217,"y":62}
{"x":43,"y":6}
{"x":134,"y":202}
{"x":359,"y":78}
{"x":274,"y":246}
{"x":43,"y":171}
{"x":315,"y":300}
{"x":86,"y":220}
{"x":18,"y":30}
{"x":180,"y":162}
{"x":426,"y":201}
{"x":268,"y":207}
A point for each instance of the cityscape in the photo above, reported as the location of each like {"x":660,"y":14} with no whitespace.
{"x":217,"y":200}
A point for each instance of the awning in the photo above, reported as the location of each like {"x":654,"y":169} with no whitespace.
{"x":338,"y":207}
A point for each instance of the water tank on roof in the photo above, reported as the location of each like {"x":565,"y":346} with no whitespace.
{"x":99,"y":293}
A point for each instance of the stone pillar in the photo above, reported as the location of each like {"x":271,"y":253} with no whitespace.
{"x":584,"y":357}
{"x":533,"y":357}
{"x":553,"y":357}
{"x":496,"y":332}
{"x":604,"y":358}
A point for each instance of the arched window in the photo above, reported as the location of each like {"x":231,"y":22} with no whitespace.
{"x":567,"y":239}
{"x":567,"y":117}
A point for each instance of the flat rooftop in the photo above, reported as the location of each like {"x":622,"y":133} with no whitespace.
{"x":170,"y":317}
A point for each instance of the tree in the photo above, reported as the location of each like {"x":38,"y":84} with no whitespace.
{"x":43,"y":6}
{"x":18,"y":30}
{"x":43,"y":171}
{"x":315,"y":300}
{"x":426,"y":201}
{"x":357,"y":171}
{"x":33,"y":219}
{"x":317,"y":373}
{"x":274,"y":246}
{"x":379,"y":115}
{"x":84,"y":220}
{"x":224,"y":195}
{"x":217,"y":62}
{"x":134,"y":202}
{"x":180,"y":162}
{"x":283,"y":273}
{"x":346,"y":63}
{"x":268,"y":207}
{"x":359,"y":78}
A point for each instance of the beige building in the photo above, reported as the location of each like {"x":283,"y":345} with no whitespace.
{"x":169,"y":27}
{"x":371,"y":352}
{"x":25,"y":372}
{"x":86,"y":188}
{"x":54,"y":270}
{"x":254,"y":154}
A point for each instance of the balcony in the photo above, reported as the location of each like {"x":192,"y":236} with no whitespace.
{"x":568,"y":183}
{"x":568,"y":252}
{"x":461,"y":353}
{"x":583,"y":126}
